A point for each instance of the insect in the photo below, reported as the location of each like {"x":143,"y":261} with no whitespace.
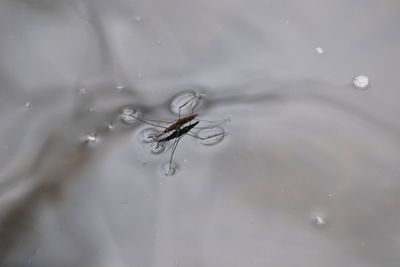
{"x":177,"y":124}
{"x":175,"y":130}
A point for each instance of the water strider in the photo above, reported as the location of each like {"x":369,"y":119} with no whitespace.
{"x":177,"y":129}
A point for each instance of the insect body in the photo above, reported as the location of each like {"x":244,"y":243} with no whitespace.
{"x":179,"y":132}
{"x":179,"y":123}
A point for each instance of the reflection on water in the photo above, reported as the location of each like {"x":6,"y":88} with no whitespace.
{"x":304,"y":172}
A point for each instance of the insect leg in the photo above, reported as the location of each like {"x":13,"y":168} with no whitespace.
{"x":147,"y":122}
{"x":174,"y":146}
{"x":213,"y":124}
{"x":205,"y":138}
{"x":187,"y":102}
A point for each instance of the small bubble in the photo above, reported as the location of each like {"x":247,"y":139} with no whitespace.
{"x":110,"y":126}
{"x":82,"y":91}
{"x":319,"y":50}
{"x":91,"y":138}
{"x":330,"y":195}
{"x":129,"y":115}
{"x":186,"y":103}
{"x":159,"y":42}
{"x":140,"y":75}
{"x":91,"y":109}
{"x":169,"y":169}
{"x":211,"y":136}
{"x":361,"y":82}
{"x":120,"y":87}
{"x":28,"y":105}
{"x":319,"y":221}
{"x":138,"y":18}
{"x":157,"y":148}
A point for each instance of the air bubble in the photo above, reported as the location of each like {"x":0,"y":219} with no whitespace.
{"x":319,"y":50}
{"x":157,"y":148}
{"x":28,"y":105}
{"x":90,"y":138}
{"x":169,"y":169}
{"x":186,"y":103}
{"x":138,"y":18}
{"x":319,"y":221}
{"x":82,"y":91}
{"x":120,"y":87}
{"x":211,"y":136}
{"x":361,"y":82}
{"x":129,"y":115}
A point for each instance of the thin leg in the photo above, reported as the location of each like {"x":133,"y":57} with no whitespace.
{"x":174,"y":146}
{"x":184,"y":104}
{"x":218,"y":123}
{"x":149,"y":123}
{"x":204,"y":138}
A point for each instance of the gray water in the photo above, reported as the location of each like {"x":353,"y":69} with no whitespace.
{"x":307,"y":173}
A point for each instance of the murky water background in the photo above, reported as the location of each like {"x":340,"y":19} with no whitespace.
{"x":306,"y":175}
